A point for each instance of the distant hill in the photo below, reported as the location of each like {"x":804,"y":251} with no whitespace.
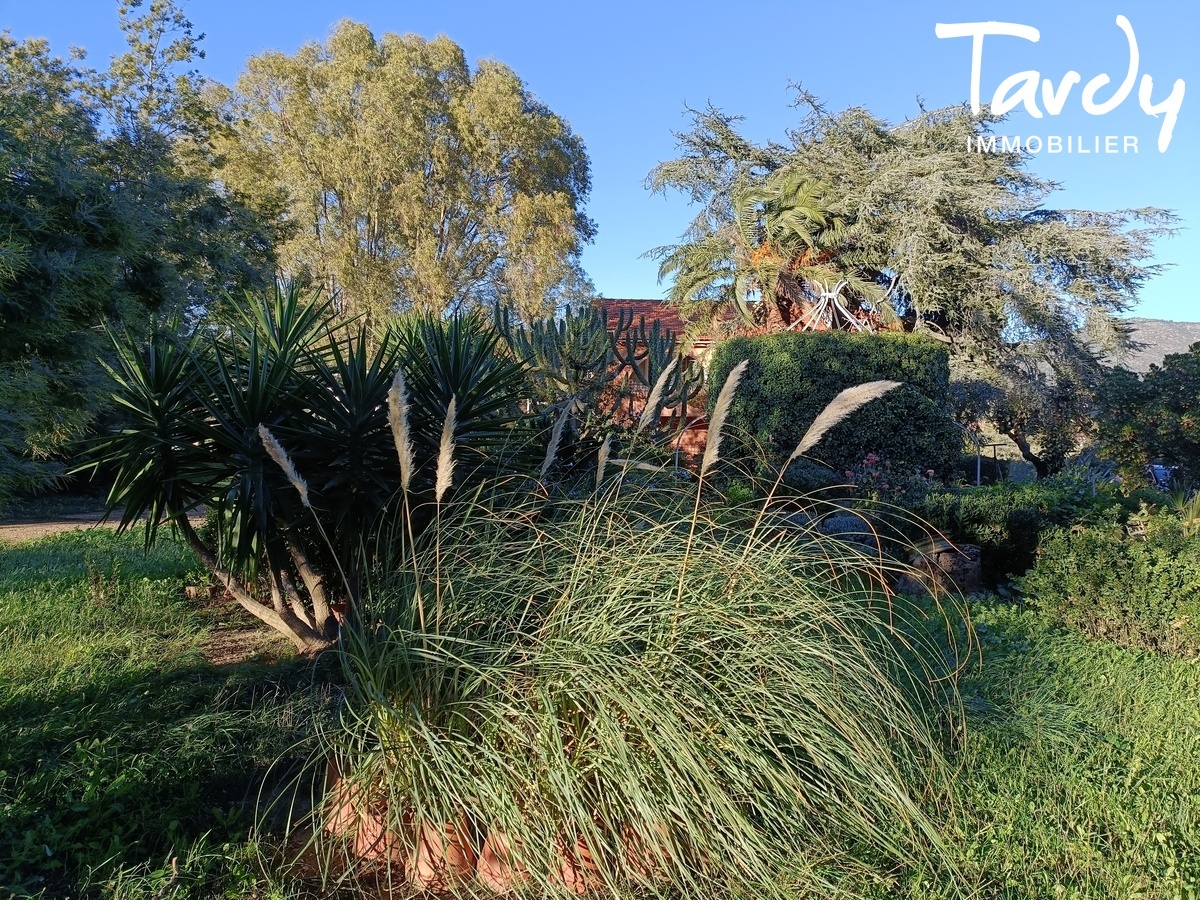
{"x":1161,"y":338}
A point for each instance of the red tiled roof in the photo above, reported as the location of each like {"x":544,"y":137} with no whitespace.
{"x":667,"y":315}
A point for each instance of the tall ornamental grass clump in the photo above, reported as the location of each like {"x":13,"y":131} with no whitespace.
{"x":620,"y":694}
{"x":583,"y":722}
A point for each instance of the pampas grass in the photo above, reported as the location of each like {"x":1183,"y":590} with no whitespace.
{"x":445,"y":460}
{"x":602,"y":461}
{"x":398,"y":419}
{"x":555,"y":437}
{"x":276,"y":452}
{"x":712,"y":449}
{"x":752,"y":725}
{"x":838,"y":409}
{"x":654,"y":401}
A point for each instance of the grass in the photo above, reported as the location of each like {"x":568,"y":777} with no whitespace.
{"x":122,"y":747}
{"x":1080,"y":773}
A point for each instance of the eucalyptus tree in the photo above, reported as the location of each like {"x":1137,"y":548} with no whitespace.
{"x":954,"y":242}
{"x":408,"y":179}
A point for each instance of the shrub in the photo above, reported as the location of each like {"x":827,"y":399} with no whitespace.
{"x":622,"y":693}
{"x":1154,"y":416}
{"x":1136,"y":589}
{"x":1007,"y":520}
{"x":206,"y":416}
{"x":791,"y":377}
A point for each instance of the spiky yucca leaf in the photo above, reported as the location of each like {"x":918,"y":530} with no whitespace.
{"x":712,"y":449}
{"x":445,"y":462}
{"x":398,"y":419}
{"x":838,"y":409}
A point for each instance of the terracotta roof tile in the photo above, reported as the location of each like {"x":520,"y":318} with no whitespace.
{"x":650,"y":310}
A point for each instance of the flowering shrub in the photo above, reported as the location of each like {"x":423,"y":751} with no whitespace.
{"x":877,"y":480}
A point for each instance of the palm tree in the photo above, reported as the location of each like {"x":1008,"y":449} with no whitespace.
{"x":783,"y":246}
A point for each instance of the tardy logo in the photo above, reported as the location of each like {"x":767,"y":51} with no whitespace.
{"x":1022,"y":88}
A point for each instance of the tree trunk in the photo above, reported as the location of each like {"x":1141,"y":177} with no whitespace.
{"x":307,"y":640}
{"x":1040,"y":465}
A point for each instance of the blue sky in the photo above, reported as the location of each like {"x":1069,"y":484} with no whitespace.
{"x":622,"y":73}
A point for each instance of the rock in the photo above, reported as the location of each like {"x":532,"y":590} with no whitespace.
{"x":851,"y":527}
{"x":950,"y":567}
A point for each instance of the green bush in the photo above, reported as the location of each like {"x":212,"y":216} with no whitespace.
{"x":1007,"y":520}
{"x":791,"y":377}
{"x":1137,"y":589}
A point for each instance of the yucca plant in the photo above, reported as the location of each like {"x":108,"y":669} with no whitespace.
{"x":622,"y":694}
{"x":278,"y":423}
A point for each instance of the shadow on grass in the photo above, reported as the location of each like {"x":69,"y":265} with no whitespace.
{"x":142,"y":759}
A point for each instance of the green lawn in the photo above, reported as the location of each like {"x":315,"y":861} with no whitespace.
{"x":122,"y":746}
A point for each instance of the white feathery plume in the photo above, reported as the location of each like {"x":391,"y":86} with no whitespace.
{"x":555,"y":437}
{"x":398,"y":417}
{"x":654,"y":401}
{"x":445,"y":463}
{"x":276,"y":452}
{"x":602,"y":461}
{"x":712,"y":447}
{"x":838,"y":408}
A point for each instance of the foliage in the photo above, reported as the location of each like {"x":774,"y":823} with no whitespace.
{"x":421,"y":184}
{"x":61,"y":245}
{"x":793,"y":375}
{"x":122,"y":744}
{"x":1008,"y":520}
{"x":580,"y":686}
{"x":1079,"y":768}
{"x":958,"y":243}
{"x":238,"y":420}
{"x":583,"y":366}
{"x":877,"y":480}
{"x":108,"y":216}
{"x":1134,"y":587}
{"x":1152,"y":417}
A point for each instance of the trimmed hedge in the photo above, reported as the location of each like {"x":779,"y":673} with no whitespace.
{"x":1134,"y":590}
{"x":792,"y":376}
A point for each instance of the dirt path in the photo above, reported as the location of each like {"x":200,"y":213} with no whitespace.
{"x":17,"y":531}
{"x":21,"y":530}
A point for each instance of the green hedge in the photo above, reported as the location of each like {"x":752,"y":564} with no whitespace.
{"x":1008,"y":520}
{"x":791,"y":377}
{"x":1140,"y":590}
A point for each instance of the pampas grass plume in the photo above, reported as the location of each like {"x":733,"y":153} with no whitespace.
{"x":276,"y":452}
{"x":445,"y":463}
{"x":654,"y":401}
{"x":398,"y":417}
{"x":712,"y":448}
{"x":839,"y":408}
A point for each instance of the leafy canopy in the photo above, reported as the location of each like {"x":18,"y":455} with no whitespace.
{"x":921,"y":232}
{"x":407,"y":179}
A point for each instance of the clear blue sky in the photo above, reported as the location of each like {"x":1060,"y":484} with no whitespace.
{"x":622,"y":72}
